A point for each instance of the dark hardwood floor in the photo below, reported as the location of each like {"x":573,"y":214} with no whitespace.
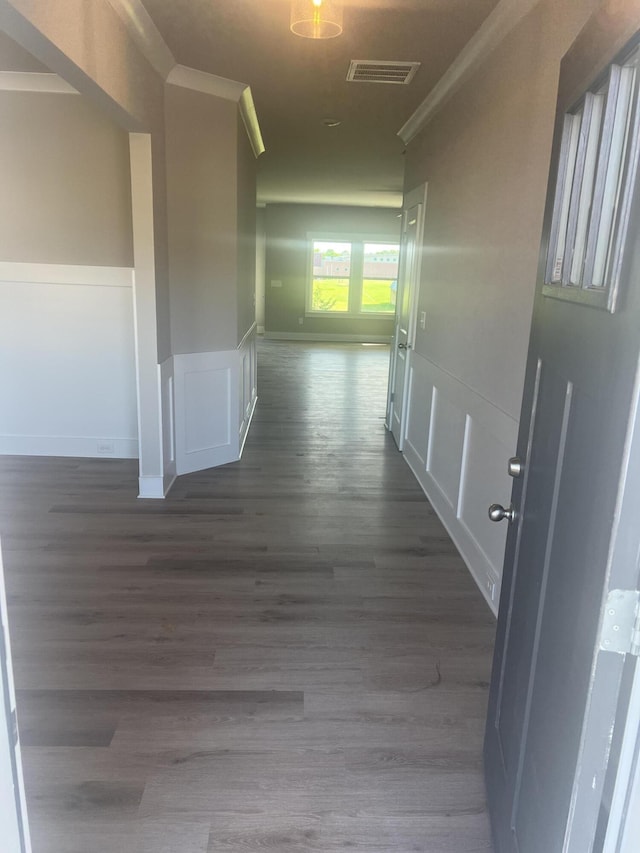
{"x":286,"y":655}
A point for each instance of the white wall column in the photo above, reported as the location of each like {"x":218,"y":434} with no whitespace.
{"x":150,"y":442}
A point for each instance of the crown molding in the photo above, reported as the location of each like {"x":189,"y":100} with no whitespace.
{"x":209,"y":84}
{"x":493,"y":31}
{"x":229,"y":90}
{"x":145,"y":34}
{"x":152,"y":45}
{"x":250,"y":119}
{"x":35,"y":81}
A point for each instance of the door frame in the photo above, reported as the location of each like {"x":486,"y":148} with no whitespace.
{"x":416,"y":196}
{"x":13,"y":807}
{"x":623,"y":828}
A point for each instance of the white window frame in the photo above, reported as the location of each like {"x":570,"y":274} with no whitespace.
{"x":356,"y":275}
{"x":605,"y":227}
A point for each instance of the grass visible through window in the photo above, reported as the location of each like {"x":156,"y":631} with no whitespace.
{"x":379,"y":296}
{"x":330,"y":294}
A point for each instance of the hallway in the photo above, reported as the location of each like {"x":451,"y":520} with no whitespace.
{"x":286,"y":655}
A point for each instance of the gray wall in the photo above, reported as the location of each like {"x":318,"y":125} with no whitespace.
{"x":66,"y":184}
{"x":486,"y":157}
{"x":246,"y":232}
{"x":261,"y":249}
{"x":201,"y":186}
{"x":287,"y":226}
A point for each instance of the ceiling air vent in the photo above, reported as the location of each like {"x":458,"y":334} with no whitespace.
{"x":381,"y":71}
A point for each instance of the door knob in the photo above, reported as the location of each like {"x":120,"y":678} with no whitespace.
{"x":497,"y":513}
{"x":515,"y":467}
{"x":404,"y":346}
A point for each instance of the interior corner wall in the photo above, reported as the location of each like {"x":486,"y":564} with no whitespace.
{"x":161,"y":243}
{"x":201,"y":152}
{"x":261,"y":248}
{"x":485,"y":156}
{"x":287,"y":227}
{"x":246,"y":231}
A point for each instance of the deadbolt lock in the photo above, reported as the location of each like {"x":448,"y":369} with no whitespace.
{"x":515,"y":467}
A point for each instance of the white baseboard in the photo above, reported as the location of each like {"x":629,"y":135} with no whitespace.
{"x":81,"y":446}
{"x":328,"y":337}
{"x":154,"y":488}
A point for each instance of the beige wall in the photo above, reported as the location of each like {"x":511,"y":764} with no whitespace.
{"x":287,"y":226}
{"x":201,"y":154}
{"x":246,"y":228}
{"x":66,"y":194}
{"x":211,"y":208}
{"x":485,"y":157}
{"x":87,"y":44}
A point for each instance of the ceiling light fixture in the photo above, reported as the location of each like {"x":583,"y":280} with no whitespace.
{"x":316,"y":19}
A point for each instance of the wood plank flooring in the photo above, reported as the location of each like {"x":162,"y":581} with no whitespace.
{"x":287,"y":655}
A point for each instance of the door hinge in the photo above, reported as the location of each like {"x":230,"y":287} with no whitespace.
{"x":392,"y":397}
{"x":621,"y":622}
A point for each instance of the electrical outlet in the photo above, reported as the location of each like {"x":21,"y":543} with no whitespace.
{"x":300,"y":321}
{"x":106,"y":448}
{"x":423,"y":319}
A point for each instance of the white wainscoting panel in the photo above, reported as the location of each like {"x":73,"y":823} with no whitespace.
{"x":67,"y":361}
{"x":446,"y":440}
{"x":457,"y":444}
{"x":215,"y":394}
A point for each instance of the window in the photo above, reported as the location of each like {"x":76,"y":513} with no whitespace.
{"x":596,"y":174}
{"x":354,"y":277}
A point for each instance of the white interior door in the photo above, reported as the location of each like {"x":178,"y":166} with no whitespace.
{"x":406,"y":306}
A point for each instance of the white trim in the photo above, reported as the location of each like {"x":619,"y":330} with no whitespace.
{"x":153,"y":47}
{"x":35,"y":81}
{"x":505,"y":16}
{"x":229,"y":90}
{"x":67,"y":445}
{"x":473,"y":556}
{"x":328,"y":337}
{"x":167,"y":421}
{"x":145,"y":34}
{"x":623,"y":828}
{"x":150,"y":487}
{"x":208,"y":84}
{"x":247,"y":427}
{"x":260,"y":330}
{"x":251,"y":123}
{"x":28,"y":273}
{"x":251,"y":331}
{"x":155,"y":488}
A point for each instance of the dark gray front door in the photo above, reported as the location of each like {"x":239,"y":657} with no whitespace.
{"x":574,"y":536}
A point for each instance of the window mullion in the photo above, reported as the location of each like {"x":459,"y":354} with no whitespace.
{"x":357,"y":273}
